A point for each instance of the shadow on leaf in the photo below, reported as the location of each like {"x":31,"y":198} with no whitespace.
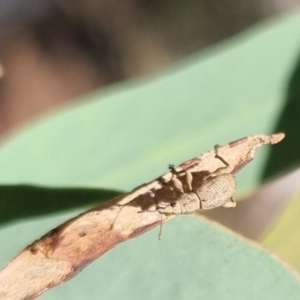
{"x":23,"y":201}
{"x":287,"y":154}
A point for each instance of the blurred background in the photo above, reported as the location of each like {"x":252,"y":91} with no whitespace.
{"x":56,"y":50}
{"x":106,"y":93}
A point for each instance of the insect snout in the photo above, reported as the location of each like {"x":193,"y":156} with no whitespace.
{"x":158,"y":207}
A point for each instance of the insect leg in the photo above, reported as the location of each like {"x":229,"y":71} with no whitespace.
{"x":230,"y":203}
{"x":177,"y":183}
{"x":219,"y":170}
{"x":160,"y":227}
{"x":161,"y":216}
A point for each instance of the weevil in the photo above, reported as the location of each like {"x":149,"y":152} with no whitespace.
{"x":216,"y":189}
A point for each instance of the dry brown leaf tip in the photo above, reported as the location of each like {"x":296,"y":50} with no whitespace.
{"x":65,"y":250}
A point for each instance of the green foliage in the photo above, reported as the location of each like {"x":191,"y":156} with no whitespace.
{"x":127,"y":135}
{"x":194,"y":260}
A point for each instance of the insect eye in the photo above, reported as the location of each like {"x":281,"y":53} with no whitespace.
{"x":173,"y":204}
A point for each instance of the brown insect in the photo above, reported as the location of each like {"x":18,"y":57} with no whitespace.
{"x":215,"y":189}
{"x":204,"y":182}
{"x":199,"y":190}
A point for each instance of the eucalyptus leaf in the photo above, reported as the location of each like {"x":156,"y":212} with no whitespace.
{"x":194,"y":260}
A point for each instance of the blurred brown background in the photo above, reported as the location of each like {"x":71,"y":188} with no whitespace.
{"x":52,"y":51}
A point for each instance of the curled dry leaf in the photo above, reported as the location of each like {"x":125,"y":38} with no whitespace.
{"x":67,"y":249}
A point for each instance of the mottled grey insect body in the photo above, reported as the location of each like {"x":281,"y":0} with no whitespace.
{"x":217,"y":191}
{"x":214,"y":190}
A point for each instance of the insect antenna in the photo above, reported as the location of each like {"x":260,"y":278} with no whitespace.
{"x":161,"y":227}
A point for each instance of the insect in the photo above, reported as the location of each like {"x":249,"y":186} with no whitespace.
{"x":199,"y":183}
{"x":202,"y":190}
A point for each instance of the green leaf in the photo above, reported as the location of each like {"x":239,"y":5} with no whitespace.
{"x":194,"y":260}
{"x":128,"y":134}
